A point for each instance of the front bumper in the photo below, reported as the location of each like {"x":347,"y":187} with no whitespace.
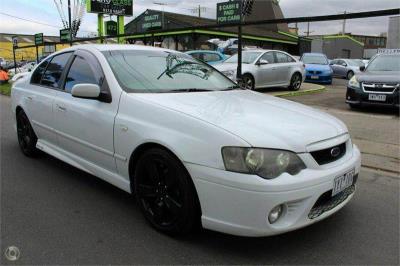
{"x":325,"y":79}
{"x":361,"y":98}
{"x":239,"y":204}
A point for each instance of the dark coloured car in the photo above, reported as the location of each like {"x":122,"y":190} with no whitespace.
{"x":378,"y":84}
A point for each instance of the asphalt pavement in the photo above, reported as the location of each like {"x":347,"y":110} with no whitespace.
{"x":56,"y":214}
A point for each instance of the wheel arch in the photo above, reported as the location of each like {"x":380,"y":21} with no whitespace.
{"x":139,"y":151}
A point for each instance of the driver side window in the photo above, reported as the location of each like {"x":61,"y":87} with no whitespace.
{"x":80,"y":72}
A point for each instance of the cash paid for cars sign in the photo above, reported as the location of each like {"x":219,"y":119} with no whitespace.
{"x":111,"y":7}
{"x":229,"y":12}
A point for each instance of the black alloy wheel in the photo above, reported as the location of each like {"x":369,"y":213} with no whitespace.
{"x":26,"y":136}
{"x":165,"y":193}
{"x":295,"y":82}
{"x":248,"y":82}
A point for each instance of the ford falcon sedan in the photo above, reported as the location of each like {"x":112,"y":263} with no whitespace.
{"x":194,"y":148}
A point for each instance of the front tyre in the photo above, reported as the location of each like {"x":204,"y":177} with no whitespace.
{"x":165,"y":193}
{"x":26,"y":136}
{"x":295,"y":82}
{"x":248,"y":82}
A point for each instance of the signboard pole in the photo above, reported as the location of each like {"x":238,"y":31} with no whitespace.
{"x":69,"y":21}
{"x":37,"y":54}
{"x":15,"y":45}
{"x":121,"y":28}
{"x":239,"y":66}
{"x":100,"y":29}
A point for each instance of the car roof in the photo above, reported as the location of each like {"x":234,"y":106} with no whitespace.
{"x":320,"y":54}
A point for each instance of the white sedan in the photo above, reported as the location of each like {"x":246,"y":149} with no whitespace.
{"x":265,"y":69}
{"x":192,"y":146}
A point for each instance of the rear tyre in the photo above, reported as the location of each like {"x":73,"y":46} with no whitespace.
{"x":295,"y":82}
{"x":26,"y":136}
{"x":165,"y":193}
{"x":248,"y":82}
{"x":350,"y":74}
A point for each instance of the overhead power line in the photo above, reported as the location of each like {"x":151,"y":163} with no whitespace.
{"x":29,"y":20}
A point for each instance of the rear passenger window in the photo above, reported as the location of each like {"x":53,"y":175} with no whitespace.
{"x":38,"y":73}
{"x":282,"y":58}
{"x":80,"y":72}
{"x":51,"y":77}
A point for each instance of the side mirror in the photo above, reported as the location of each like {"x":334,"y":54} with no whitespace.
{"x":362,"y":68}
{"x":262,"y":62}
{"x":344,"y":64}
{"x":86,"y":90}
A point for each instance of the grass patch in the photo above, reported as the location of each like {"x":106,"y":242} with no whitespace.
{"x":5,"y":89}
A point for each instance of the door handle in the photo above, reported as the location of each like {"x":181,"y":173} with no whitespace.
{"x":61,"y":108}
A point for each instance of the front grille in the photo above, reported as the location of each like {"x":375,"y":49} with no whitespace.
{"x":329,"y":155}
{"x":311,"y":72}
{"x":379,"y":87}
{"x":326,"y":202}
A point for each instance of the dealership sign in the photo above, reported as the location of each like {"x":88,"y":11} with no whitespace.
{"x":111,"y":28}
{"x":229,"y":12}
{"x":151,"y":20}
{"x":64,"y":36}
{"x":39,"y":39}
{"x":112,"y":7}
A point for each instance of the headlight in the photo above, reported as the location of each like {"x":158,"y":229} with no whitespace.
{"x":354,"y":83}
{"x":230,"y":74}
{"x":265,"y":163}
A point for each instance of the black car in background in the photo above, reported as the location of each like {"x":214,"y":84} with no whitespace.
{"x":378,"y":84}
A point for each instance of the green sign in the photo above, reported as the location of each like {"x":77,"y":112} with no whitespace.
{"x":111,"y":28}
{"x":229,"y":12}
{"x":64,"y":35}
{"x":39,"y":39}
{"x":151,"y":20}
{"x":112,"y":7}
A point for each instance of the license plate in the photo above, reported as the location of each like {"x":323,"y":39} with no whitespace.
{"x":342,"y":182}
{"x":377,"y":97}
{"x":314,"y":77}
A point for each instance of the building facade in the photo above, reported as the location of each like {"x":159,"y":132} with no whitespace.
{"x":393,"y":41}
{"x":171,"y":35}
{"x":337,"y":46}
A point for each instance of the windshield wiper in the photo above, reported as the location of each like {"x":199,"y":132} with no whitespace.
{"x":234,"y":87}
{"x":190,"y":90}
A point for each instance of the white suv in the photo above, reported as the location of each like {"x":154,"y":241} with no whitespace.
{"x":265,"y":68}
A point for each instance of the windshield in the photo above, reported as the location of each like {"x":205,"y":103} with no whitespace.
{"x":159,"y":71}
{"x":315,"y":59}
{"x":247,"y":57}
{"x":355,"y":62}
{"x":385,"y":63}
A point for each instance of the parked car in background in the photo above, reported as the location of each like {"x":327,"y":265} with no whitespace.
{"x":265,"y":68}
{"x":27,"y":67}
{"x":346,"y":68}
{"x":209,"y":57}
{"x":377,"y":84}
{"x":186,"y":141}
{"x":317,"y":68}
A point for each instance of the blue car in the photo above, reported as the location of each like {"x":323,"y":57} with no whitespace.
{"x":317,"y":68}
{"x":209,"y":57}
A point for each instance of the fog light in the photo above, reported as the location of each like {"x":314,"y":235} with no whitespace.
{"x":275,"y":214}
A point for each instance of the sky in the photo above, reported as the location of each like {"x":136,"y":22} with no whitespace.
{"x":42,"y":15}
